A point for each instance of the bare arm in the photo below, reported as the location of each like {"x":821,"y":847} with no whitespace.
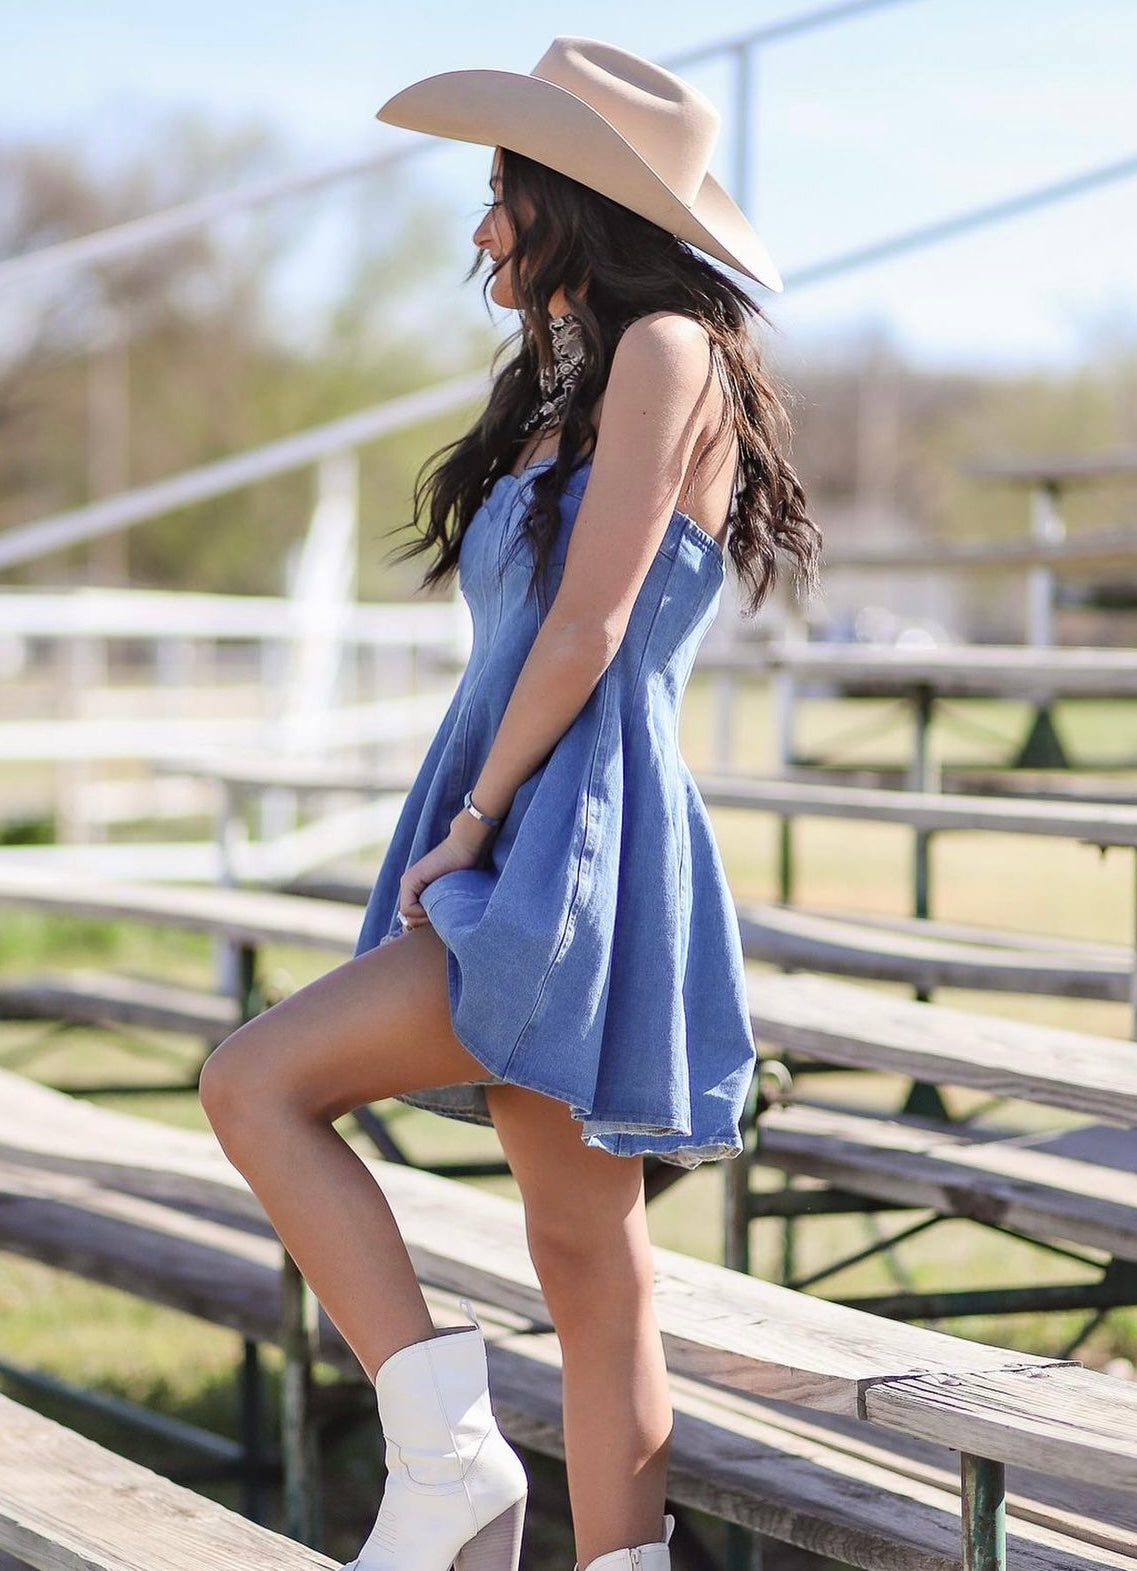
{"x":649,"y":426}
{"x":653,"y":408}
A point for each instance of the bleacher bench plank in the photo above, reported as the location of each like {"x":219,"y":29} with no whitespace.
{"x":989,"y":937}
{"x":777,"y":1474}
{"x":469,"y":1241}
{"x":1040,"y":785}
{"x":171,"y":1257}
{"x":249,"y":916}
{"x":865,"y":1028}
{"x":287,"y":773}
{"x":1034,"y":1188}
{"x":66,"y":1504}
{"x":97,"y":997}
{"x":1097,"y":823}
{"x":718,"y":1326}
{"x":982,"y":671}
{"x":998,"y":1399}
{"x":853,"y":1500}
{"x":928,"y":959}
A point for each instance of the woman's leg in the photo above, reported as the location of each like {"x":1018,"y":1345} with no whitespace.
{"x":375,"y":1026}
{"x":587,"y":1231}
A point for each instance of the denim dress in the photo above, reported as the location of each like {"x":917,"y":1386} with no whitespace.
{"x":596,"y":955}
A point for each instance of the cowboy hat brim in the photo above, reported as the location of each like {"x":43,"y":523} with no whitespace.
{"x":549,"y":124}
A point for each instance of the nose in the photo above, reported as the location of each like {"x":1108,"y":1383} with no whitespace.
{"x":482,"y":233}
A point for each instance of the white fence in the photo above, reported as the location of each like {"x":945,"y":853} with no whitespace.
{"x":102,"y":685}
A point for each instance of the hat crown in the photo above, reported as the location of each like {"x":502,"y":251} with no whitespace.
{"x":668,"y":122}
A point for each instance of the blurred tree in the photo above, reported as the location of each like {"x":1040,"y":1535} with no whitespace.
{"x":218,"y":341}
{"x":182,"y":354}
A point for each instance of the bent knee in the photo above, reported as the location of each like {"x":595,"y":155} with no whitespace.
{"x":576,"y":1258}
{"x":228,"y":1085}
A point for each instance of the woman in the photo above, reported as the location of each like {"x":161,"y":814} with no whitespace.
{"x":550,"y":944}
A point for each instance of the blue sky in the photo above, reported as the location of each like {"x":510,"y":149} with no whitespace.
{"x":868,"y":127}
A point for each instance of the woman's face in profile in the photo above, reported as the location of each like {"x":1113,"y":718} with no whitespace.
{"x":495,"y":236}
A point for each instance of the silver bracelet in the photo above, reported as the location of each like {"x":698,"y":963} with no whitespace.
{"x":483,"y":818}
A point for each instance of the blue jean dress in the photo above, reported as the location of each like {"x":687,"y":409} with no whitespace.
{"x":596,"y":957}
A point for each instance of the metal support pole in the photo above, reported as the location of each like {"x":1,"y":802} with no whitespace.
{"x":321,"y":588}
{"x":298,"y":1447}
{"x":784,"y":692}
{"x":983,"y":1514}
{"x":1046,"y":528}
{"x":252,"y":1431}
{"x":739,"y":1548}
{"x":921,"y":779}
{"x":737,"y":1207}
{"x":789,"y":1239}
{"x":248,"y":994}
{"x":785,"y":861}
{"x":232,"y":836}
{"x":1043,"y":748}
{"x":1133,"y":974}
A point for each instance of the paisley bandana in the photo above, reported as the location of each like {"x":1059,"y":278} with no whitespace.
{"x":558,"y":382}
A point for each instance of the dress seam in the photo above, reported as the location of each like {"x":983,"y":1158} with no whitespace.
{"x":574,"y":903}
{"x":647,"y":638}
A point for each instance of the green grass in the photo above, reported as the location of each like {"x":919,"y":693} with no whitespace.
{"x":103,"y":1338}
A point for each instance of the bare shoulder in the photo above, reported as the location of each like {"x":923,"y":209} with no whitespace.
{"x":663,"y":349}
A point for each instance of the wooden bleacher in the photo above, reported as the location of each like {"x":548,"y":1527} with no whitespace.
{"x":916,"y":949}
{"x":67,"y":1504}
{"x":163,"y":1219}
{"x":1072,"y":1185}
{"x":161,"y":1211}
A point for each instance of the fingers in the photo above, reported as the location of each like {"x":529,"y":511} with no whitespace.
{"x":411,"y":913}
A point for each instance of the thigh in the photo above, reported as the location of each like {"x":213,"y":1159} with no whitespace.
{"x":373,"y":1027}
{"x":574,"y":1195}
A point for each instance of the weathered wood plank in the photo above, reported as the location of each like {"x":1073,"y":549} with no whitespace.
{"x":57,"y":1133}
{"x":248,"y":915}
{"x":1027,"y":1188}
{"x":293,"y":774}
{"x":1099,"y":823}
{"x":865,"y":1028}
{"x":92,"y":997}
{"x":1031,"y":1415}
{"x":787,"y":935}
{"x":219,"y":1272}
{"x":729,"y":1455}
{"x":1089,"y":1513}
{"x":717,"y":1325}
{"x":1055,"y":785}
{"x":66,"y":1504}
{"x":1105,"y":548}
{"x":742,"y":1461}
{"x":988,"y":670}
{"x":987,"y":937}
{"x":720,"y":1325}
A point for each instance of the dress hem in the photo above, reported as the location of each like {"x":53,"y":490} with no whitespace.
{"x":618,"y":1139}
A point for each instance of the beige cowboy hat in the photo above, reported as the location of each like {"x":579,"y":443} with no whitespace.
{"x":616,"y":123}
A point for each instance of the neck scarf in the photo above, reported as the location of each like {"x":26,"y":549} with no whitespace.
{"x":558,"y":381}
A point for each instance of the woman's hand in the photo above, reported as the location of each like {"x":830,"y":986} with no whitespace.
{"x":464,"y":846}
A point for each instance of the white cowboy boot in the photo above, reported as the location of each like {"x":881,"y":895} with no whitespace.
{"x":645,"y":1557}
{"x":456,"y":1490}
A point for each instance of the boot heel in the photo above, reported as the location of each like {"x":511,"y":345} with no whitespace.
{"x":498,"y":1546}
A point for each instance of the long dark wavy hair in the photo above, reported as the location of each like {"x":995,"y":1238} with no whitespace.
{"x":614,"y":266}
